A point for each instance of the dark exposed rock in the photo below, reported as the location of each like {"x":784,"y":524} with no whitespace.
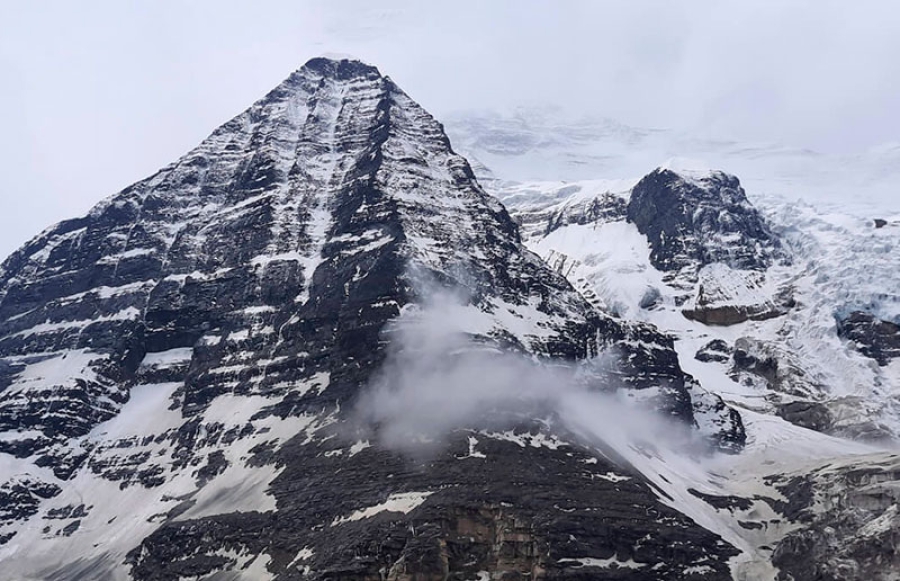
{"x":692,"y":222}
{"x":807,"y":414}
{"x":215,"y":465}
{"x":70,"y":528}
{"x":20,"y":498}
{"x":730,"y":314}
{"x":67,"y":512}
{"x":735,"y":299}
{"x":726,"y":421}
{"x":505,"y":513}
{"x":874,"y":337}
{"x":650,"y":298}
{"x":799,"y":494}
{"x":716,"y":350}
{"x":723,"y":502}
{"x":765,"y":361}
{"x":880,"y":223}
{"x":792,"y":392}
{"x":851,"y":534}
{"x":871,"y":430}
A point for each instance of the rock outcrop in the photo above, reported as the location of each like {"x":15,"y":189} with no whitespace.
{"x":874,"y":337}
{"x":846,"y":523}
{"x":695,"y":220}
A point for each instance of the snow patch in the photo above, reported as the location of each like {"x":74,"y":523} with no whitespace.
{"x":404,"y":502}
{"x":359,"y":446}
{"x":169,"y":358}
{"x":127,"y":314}
{"x":611,"y":563}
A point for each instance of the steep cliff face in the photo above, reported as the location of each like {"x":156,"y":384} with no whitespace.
{"x":695,"y":220}
{"x":180,"y":366}
{"x":874,"y":337}
{"x":845,"y":521}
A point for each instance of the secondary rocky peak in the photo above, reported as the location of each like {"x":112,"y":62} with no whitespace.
{"x":692,"y":219}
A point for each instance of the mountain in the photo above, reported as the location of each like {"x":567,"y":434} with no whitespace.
{"x":798,"y":301}
{"x":317,"y":346}
{"x":186,"y":371}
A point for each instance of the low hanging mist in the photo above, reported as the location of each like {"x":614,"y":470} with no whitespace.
{"x":438,"y":379}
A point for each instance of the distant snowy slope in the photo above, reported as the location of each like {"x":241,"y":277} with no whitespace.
{"x":788,"y":315}
{"x":545,"y":144}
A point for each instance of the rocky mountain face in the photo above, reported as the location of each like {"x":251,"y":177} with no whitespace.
{"x":692,"y":221}
{"x":846,"y":517}
{"x":691,"y":242}
{"x":707,"y":237}
{"x":874,"y":337}
{"x":181,"y":372}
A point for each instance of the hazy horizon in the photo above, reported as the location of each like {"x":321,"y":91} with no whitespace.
{"x":102,"y":95}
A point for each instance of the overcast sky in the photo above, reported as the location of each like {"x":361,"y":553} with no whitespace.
{"x":97,"y":95}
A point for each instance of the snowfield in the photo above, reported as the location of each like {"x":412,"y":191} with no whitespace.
{"x":838,"y":221}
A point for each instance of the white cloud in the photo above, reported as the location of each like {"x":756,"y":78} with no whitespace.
{"x":437,"y":379}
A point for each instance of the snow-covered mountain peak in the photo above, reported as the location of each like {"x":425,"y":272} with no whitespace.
{"x":699,"y":174}
{"x":179,"y":367}
{"x":206,"y":377}
{"x":334,"y":67}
